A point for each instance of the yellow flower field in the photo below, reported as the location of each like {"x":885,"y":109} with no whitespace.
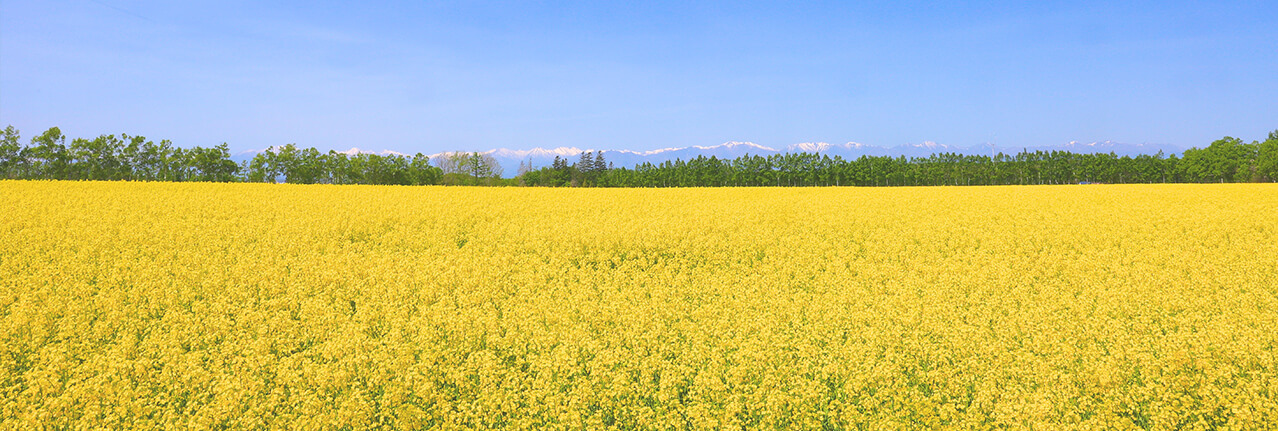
{"x":202,"y":306}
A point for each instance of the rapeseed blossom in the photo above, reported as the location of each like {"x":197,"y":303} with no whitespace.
{"x":299,"y":307}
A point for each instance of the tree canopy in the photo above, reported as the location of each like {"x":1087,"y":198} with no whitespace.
{"x":134,"y":158}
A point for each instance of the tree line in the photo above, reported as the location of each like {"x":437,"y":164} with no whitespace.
{"x":1226,"y":160}
{"x":134,"y":158}
{"x":125,"y":157}
{"x":109,"y":157}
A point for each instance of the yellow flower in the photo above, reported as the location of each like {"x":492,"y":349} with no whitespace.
{"x":166,"y":305}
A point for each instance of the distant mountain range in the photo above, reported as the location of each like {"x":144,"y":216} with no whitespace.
{"x":510,"y":159}
{"x":539,"y":157}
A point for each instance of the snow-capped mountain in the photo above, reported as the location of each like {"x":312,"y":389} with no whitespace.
{"x":356,"y":150}
{"x":1118,"y":148}
{"x":727,"y":150}
{"x":852,"y":150}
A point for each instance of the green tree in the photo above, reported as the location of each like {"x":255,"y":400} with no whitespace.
{"x":1267,"y":158}
{"x":48,"y":155}
{"x":263,"y":168}
{"x":421,"y":172}
{"x":11,"y":159}
{"x":213,"y":164}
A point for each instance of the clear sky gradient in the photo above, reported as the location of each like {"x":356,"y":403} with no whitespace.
{"x":434,"y":76}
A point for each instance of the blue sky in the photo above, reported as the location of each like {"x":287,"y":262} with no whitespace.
{"x":437,"y":76}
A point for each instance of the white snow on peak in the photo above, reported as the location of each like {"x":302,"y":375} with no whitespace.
{"x":535,"y":152}
{"x":1096,"y":144}
{"x":356,"y":151}
{"x":262,"y":150}
{"x":809,"y":147}
{"x":449,"y":153}
{"x":646,"y":153}
{"x":725,"y":145}
{"x":819,"y":147}
{"x":731,"y":144}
